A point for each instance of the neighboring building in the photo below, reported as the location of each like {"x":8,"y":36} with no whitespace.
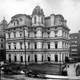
{"x":3,"y":26}
{"x":36,"y":38}
{"x":75,"y":45}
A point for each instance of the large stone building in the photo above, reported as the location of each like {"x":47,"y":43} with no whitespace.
{"x":36,"y":38}
{"x":3,"y":26}
{"x":75,"y":46}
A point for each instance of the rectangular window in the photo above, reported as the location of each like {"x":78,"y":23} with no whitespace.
{"x":35,"y":46}
{"x":35,"y":20}
{"x":56,"y":45}
{"x":48,"y":45}
{"x":73,"y":49}
{"x":20,"y":45}
{"x":9,"y":46}
{"x":9,"y":35}
{"x":14,"y":45}
{"x":1,"y":45}
{"x":14,"y":23}
{"x":21,"y":34}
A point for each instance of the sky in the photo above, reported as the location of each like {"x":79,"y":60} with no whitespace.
{"x":70,"y":9}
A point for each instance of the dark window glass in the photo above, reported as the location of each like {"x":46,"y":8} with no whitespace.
{"x":21,"y":58}
{"x":48,"y":45}
{"x":42,"y":58}
{"x":35,"y":58}
{"x":14,"y":23}
{"x":56,"y":45}
{"x":56,"y":58}
{"x":15,"y":58}
{"x":20,"y":45}
{"x":9,"y":46}
{"x":28,"y":58}
{"x":9,"y":58}
{"x":35,"y":46}
{"x":42,"y":20}
{"x":14,"y":45}
{"x":1,"y":39}
{"x":35,"y":20}
{"x":49,"y":59}
{"x":17,"y":22}
{"x":1,"y":45}
{"x":9,"y":35}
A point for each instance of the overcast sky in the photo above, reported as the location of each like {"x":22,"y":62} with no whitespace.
{"x":70,"y":9}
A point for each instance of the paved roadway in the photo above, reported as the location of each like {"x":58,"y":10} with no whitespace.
{"x":23,"y":77}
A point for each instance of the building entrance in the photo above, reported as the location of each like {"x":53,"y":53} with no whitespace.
{"x":66,"y":59}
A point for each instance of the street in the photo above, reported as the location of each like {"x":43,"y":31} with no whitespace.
{"x":23,"y":77}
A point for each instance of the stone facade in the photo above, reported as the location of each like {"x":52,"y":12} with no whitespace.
{"x":3,"y":26}
{"x":36,"y":38}
{"x":75,"y":46}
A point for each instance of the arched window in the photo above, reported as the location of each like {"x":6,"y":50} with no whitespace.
{"x":21,"y":58}
{"x":35,"y":46}
{"x":28,"y":58}
{"x":42,"y":20}
{"x":35,"y":58}
{"x":35,"y":20}
{"x":48,"y":45}
{"x":9,"y":57}
{"x":42,"y":58}
{"x":56,"y":45}
{"x":15,"y":58}
{"x":56,"y":58}
{"x":48,"y":58}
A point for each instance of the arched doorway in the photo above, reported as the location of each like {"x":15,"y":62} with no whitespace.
{"x":56,"y":58}
{"x":66,"y":59}
{"x":35,"y":56}
{"x":21,"y":58}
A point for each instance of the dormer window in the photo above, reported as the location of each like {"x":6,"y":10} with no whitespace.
{"x":14,"y":23}
{"x":20,"y":19}
{"x":17,"y":22}
{"x":42,"y":20}
{"x":35,"y":20}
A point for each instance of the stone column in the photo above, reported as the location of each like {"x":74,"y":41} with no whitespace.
{"x":7,"y":56}
{"x":52,"y":57}
{"x":44,"y":57}
{"x":61,"y":57}
{"x":12,"y":57}
{"x":39,"y":57}
{"x":18,"y":57}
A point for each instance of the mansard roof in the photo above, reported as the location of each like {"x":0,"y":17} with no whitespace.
{"x":19,"y":15}
{"x":37,"y":11}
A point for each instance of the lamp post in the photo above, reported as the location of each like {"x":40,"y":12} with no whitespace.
{"x":0,"y":70}
{"x":24,"y":48}
{"x":60,"y":63}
